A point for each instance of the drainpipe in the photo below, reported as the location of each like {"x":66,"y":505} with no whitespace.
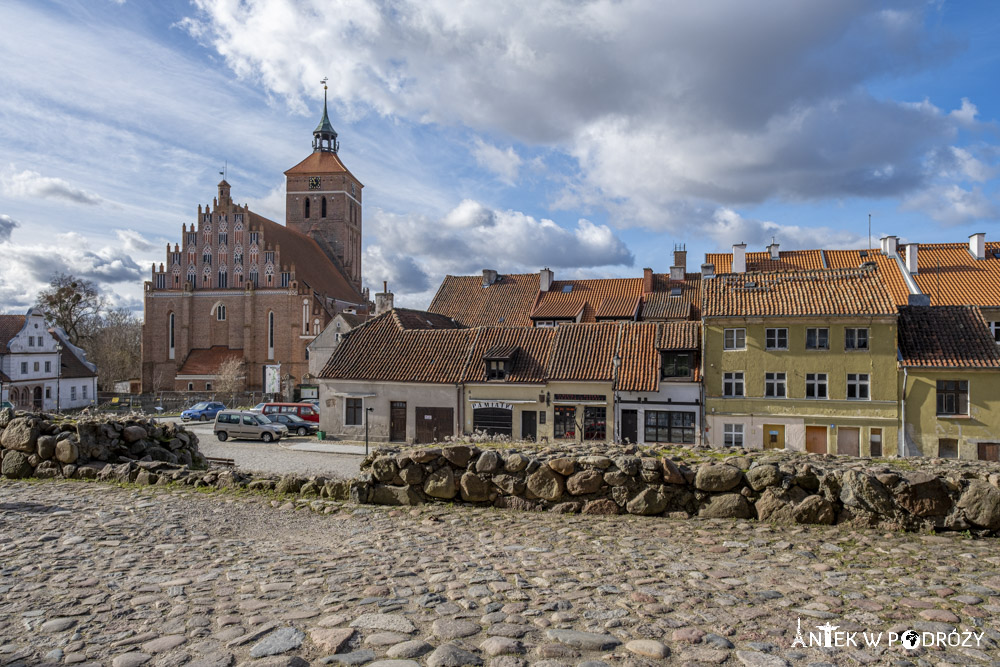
{"x":902,"y":414}
{"x":460,"y":411}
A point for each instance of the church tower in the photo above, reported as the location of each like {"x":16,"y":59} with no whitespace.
{"x":323,"y":200}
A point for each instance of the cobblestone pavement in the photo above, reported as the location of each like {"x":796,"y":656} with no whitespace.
{"x":97,"y":574}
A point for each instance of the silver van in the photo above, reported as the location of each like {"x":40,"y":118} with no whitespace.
{"x":246,"y":424}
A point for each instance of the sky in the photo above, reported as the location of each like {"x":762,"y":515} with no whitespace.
{"x":586,"y":136}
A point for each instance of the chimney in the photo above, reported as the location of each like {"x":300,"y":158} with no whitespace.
{"x":708,"y":270}
{"x":489,"y":277}
{"x":977,"y":245}
{"x":773,"y":249}
{"x":677,"y":273}
{"x":545,"y":278}
{"x":911,"y":258}
{"x":647,"y":281}
{"x":739,"y":258}
{"x":889,"y":245}
{"x":383,"y":300}
{"x":680,"y":257}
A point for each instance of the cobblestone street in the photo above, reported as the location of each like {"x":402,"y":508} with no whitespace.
{"x":96,"y":574}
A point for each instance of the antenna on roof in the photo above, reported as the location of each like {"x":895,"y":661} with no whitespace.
{"x":869,"y":230}
{"x":225,"y":168}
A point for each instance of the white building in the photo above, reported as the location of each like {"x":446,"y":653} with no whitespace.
{"x":40,"y":369}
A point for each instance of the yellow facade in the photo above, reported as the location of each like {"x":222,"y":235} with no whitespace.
{"x":970,"y":436}
{"x":834,"y":424}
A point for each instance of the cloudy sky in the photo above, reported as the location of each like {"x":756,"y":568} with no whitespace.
{"x":585,"y":136}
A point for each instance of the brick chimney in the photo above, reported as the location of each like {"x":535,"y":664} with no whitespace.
{"x":647,"y":281}
{"x":545,"y":277}
{"x":977,"y":245}
{"x":383,"y":300}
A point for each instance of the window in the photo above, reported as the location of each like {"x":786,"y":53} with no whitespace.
{"x":668,"y":426}
{"x":31,"y":341}
{"x":223,"y":238}
{"x":306,"y":207}
{"x":84,"y":388}
{"x":354,"y":411}
{"x":170,"y":336}
{"x":675,"y":364}
{"x":208,"y":386}
{"x":496,"y":370}
{"x":564,"y":425}
{"x":48,"y":366}
{"x":254,"y":238}
{"x":948,"y":448}
{"x":161,"y":281}
{"x":207,"y":257}
{"x":37,"y":366}
{"x":322,"y":207}
{"x":220,"y":313}
{"x":857,"y":386}
{"x":875,"y":440}
{"x":190,"y":386}
{"x":776,"y":339}
{"x":732,"y":384}
{"x":995,"y":330}
{"x":72,"y":393}
{"x":286,"y":278}
{"x":732,"y":435}
{"x":774,"y":385}
{"x":493,"y":421}
{"x":952,"y":397}
{"x":594,"y":423}
{"x":48,"y":392}
{"x":270,"y":335}
{"x":223,"y":277}
{"x":816,"y":385}
{"x":735,"y":339}
{"x":24,"y":368}
{"x":855,"y":339}
{"x":817,"y":339}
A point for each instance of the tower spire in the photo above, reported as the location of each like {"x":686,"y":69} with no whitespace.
{"x":324,"y":136}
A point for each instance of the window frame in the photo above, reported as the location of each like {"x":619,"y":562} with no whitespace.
{"x":852,"y":339}
{"x":858,"y":384}
{"x":737,"y":334}
{"x":955,"y":394}
{"x":773,"y":338}
{"x":734,"y":381}
{"x":354,"y":410}
{"x":564,"y":422}
{"x":730,"y":432}
{"x":675,"y":356}
{"x":815,"y":331}
{"x":995,"y":330}
{"x":670,"y":426}
{"x":774,"y":381}
{"x":816,"y":381}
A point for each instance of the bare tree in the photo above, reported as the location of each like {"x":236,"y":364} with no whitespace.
{"x":116,"y":347}
{"x":72,"y":303}
{"x":231,"y":377}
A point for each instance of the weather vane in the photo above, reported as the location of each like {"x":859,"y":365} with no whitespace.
{"x":225,"y":168}
{"x":325,"y":79}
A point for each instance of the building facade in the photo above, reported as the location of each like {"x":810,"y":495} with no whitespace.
{"x":240,"y":285}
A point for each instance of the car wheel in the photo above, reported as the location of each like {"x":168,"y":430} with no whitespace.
{"x":204,"y":418}
{"x":302,"y":430}
{"x":267,"y":437}
{"x":222,"y":436}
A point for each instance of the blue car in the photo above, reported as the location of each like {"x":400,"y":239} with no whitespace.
{"x":203,"y":411}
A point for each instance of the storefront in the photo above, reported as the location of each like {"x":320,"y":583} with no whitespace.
{"x":516,"y":412}
{"x":579,"y":416}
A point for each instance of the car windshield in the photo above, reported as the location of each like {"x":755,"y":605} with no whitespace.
{"x":198,"y":406}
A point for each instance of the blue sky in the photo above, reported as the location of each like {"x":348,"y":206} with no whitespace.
{"x":588,"y":137}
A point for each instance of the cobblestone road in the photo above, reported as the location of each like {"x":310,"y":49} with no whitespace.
{"x":96,"y":574}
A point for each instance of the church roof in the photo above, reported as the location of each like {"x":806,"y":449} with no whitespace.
{"x":321,"y":162}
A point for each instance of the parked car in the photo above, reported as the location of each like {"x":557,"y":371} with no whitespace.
{"x":294,"y":423}
{"x":258,"y":408}
{"x":6,"y":404}
{"x":247,"y":425}
{"x":305,"y":410}
{"x":203,"y":411}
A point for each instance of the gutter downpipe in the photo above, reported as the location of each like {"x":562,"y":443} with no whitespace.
{"x":902,"y":414}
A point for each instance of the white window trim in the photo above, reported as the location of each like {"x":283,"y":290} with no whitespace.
{"x":858,"y":383}
{"x":732,"y":431}
{"x":725,"y":345}
{"x":742,"y":381}
{"x":783,"y":381}
{"x":825,"y":383}
{"x":817,"y":330}
{"x":775,"y":330}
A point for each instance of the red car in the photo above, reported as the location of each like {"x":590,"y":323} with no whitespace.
{"x":305,"y":410}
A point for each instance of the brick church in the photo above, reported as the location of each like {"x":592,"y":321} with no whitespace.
{"x":240,"y":285}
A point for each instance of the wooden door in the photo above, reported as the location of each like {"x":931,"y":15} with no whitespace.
{"x":529,"y":425}
{"x":630,"y":426}
{"x":989,"y":451}
{"x":849,"y":441}
{"x":774,"y":436}
{"x":433,"y":424}
{"x":397,"y":421}
{"x":816,"y":439}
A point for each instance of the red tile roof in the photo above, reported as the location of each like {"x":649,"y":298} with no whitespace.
{"x":584,"y":352}
{"x":953,"y":277}
{"x":788,"y":260}
{"x":320,"y":162}
{"x":946,"y":337}
{"x":406,"y":318}
{"x":507,"y":302}
{"x":531,"y":349}
{"x":10,"y":325}
{"x":208,"y":361}
{"x":678,"y":336}
{"x":660,"y":304}
{"x":834,"y":292}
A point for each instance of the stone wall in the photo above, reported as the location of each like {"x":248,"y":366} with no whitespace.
{"x":782,"y":487}
{"x":38,"y":445}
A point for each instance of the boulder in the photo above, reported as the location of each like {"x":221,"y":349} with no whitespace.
{"x":924,"y":494}
{"x":412,"y":474}
{"x":671,"y":473}
{"x":727,"y":506}
{"x":565,"y":466}
{"x":15,"y":465}
{"x":777,"y":505}
{"x":67,"y":451}
{"x":814,"y":510}
{"x":423,"y":455}
{"x":20,"y":435}
{"x":762,"y":476}
{"x":648,"y":502}
{"x":860,"y":491}
{"x":602,"y":506}
{"x":441,"y":484}
{"x":134,"y":434}
{"x":980,"y":502}
{"x":488,"y":462}
{"x":6,"y":415}
{"x":509,"y":484}
{"x":48,"y":470}
{"x":383,"y":494}
{"x":46,"y":447}
{"x":384,"y":469}
{"x":584,"y":482}
{"x":515,"y":462}
{"x":546,"y":483}
{"x":458,"y":455}
{"x":161,"y":454}
{"x":717,"y":477}
{"x":474,"y":488}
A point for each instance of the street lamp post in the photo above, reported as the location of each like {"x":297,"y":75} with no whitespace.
{"x":616,"y":363}
{"x":59,"y":349}
{"x":368,"y":411}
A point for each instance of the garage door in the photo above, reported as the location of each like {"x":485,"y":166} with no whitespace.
{"x":989,"y":451}
{"x":434,"y":424}
{"x":816,"y":439}
{"x":849,"y":441}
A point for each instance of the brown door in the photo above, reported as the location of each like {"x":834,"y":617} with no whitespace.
{"x":434,"y":424}
{"x":397,"y":421}
{"x":816,"y":439}
{"x":774,"y":436}
{"x":849,"y":441}
{"x":875,"y":442}
{"x":989,"y":451}
{"x":630,"y":426}
{"x":529,"y":428}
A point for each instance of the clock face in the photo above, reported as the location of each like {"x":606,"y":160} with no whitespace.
{"x":314,"y":182}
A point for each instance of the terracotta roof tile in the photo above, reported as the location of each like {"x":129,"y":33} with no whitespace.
{"x":678,"y":336}
{"x":788,"y":260}
{"x":558,"y":306}
{"x":208,"y":361}
{"x":618,"y":306}
{"x":530,"y":347}
{"x":953,"y":277}
{"x":507,"y":302}
{"x":584,"y":351}
{"x":10,"y":325}
{"x":320,"y":162}
{"x":621,"y":295}
{"x":946,"y":337}
{"x":406,"y":318}
{"x":640,"y":369}
{"x":835,"y":292}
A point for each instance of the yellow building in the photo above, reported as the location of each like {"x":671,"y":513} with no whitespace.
{"x":950,"y":382}
{"x":804,"y":361}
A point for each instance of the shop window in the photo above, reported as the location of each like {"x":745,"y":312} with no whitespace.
{"x":669,"y":426}
{"x":493,"y":421}
{"x":594,"y":423}
{"x":564,"y":425}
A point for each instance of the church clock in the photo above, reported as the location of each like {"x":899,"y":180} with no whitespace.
{"x":314,"y":183}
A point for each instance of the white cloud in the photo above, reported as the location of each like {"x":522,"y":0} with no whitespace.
{"x":133,"y":241}
{"x":505,"y":164}
{"x":953,"y":204}
{"x":7,"y":225}
{"x":28,"y":183}
{"x":727,"y":227}
{"x":966,"y":114}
